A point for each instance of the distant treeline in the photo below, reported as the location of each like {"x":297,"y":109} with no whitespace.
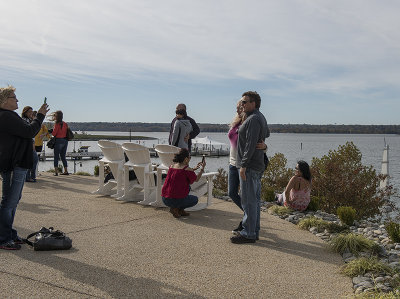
{"x":275,"y":128}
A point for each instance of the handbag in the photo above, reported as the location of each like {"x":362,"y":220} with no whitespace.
{"x":70,"y":135}
{"x":51,"y":143}
{"x":49,"y":239}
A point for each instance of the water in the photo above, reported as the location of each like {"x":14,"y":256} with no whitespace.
{"x":294,"y":146}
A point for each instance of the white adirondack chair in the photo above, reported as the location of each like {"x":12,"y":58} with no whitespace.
{"x":114,"y":158}
{"x":200,"y":188}
{"x":139,"y":160}
{"x":166,"y":154}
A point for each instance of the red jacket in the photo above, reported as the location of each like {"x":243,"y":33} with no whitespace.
{"x":177,"y":183}
{"x":60,"y":132}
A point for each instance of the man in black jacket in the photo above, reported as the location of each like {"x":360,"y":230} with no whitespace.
{"x":16,"y":157}
{"x":195,"y":128}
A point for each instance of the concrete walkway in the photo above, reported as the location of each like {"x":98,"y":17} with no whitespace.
{"x":124,"y":250}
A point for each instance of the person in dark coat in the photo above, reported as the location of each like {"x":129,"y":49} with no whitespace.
{"x":16,"y":157}
{"x":195,"y":128}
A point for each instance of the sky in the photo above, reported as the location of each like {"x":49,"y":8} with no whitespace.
{"x":312,"y":61}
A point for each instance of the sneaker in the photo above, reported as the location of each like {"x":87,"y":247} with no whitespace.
{"x":238,"y":229}
{"x":19,"y":240}
{"x":10,"y":246}
{"x":55,"y":174}
{"x":64,"y":173}
{"x":239,"y":239}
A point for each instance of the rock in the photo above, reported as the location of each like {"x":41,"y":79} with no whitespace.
{"x":379,"y":279}
{"x":377,"y":232}
{"x":394,"y":265}
{"x":359,"y":279}
{"x":393,"y":258}
{"x":313,"y":229}
{"x":366,"y":284}
{"x":359,"y":290}
{"x":347,"y":255}
{"x":397,"y":247}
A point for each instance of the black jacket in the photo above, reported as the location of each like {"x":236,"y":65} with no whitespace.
{"x":16,"y":135}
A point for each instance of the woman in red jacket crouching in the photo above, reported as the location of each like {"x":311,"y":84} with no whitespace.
{"x":175,"y":191}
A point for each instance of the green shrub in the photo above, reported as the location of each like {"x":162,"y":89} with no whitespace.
{"x":268,"y":195}
{"x":353,"y":243}
{"x":82,"y":173}
{"x":221,"y":181}
{"x":363,"y":265}
{"x":308,"y":222}
{"x":280,"y":211}
{"x":218,"y":193}
{"x":277,"y":175}
{"x":393,"y":230}
{"x":337,"y":228}
{"x":314,"y":204}
{"x":340,"y":179}
{"x":347,"y":215}
{"x":96,"y":170}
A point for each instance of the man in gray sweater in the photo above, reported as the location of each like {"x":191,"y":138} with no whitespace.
{"x":250,"y":161}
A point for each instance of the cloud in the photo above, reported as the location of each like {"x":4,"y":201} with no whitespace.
{"x":334,"y":46}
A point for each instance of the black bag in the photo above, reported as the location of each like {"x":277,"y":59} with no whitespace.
{"x":51,"y":143}
{"x":49,"y":239}
{"x":266,"y":161}
{"x":70,"y":135}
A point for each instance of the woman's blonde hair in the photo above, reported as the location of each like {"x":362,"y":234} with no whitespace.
{"x":239,"y":117}
{"x":5,"y":92}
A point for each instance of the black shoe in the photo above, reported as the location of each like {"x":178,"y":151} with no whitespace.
{"x":238,"y":229}
{"x":10,"y":246}
{"x":19,"y":240}
{"x":239,"y":239}
{"x":238,"y":233}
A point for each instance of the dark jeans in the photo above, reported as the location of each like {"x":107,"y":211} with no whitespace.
{"x":233,"y":185}
{"x":13,"y":183}
{"x":60,"y":150}
{"x":181,"y":203}
{"x":32,"y":172}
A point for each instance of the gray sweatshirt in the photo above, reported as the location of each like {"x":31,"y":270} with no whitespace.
{"x":253,"y":130}
{"x":182,"y":127}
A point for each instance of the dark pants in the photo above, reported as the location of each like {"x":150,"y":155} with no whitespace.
{"x":60,"y":150}
{"x":233,"y":185}
{"x":181,"y":203}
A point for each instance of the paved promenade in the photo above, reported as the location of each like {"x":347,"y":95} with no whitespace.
{"x":124,"y":250}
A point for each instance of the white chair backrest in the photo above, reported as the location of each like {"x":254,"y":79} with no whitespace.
{"x":166,"y":153}
{"x":112,"y":151}
{"x":139,"y":155}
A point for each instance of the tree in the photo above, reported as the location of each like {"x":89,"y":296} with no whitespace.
{"x":340,"y":179}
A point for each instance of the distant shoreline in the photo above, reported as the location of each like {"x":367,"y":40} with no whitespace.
{"x":220,"y":128}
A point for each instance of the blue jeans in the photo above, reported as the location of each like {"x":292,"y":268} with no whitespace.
{"x":32,"y":172}
{"x":60,"y":149}
{"x":233,"y":185}
{"x":250,"y":194}
{"x":181,"y":203}
{"x":13,"y":182}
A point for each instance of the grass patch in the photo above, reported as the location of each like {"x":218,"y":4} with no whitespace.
{"x":378,"y":295}
{"x":363,"y":265}
{"x":353,"y":243}
{"x":82,"y":173}
{"x":320,"y":224}
{"x":308,"y":222}
{"x":280,"y":211}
